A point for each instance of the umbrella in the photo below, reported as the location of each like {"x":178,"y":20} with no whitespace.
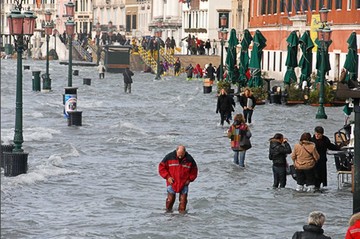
{"x":327,"y":66}
{"x":230,"y":61}
{"x":306,"y":45}
{"x":291,"y":59}
{"x":351,"y":62}
{"x":256,"y":55}
{"x":244,"y":57}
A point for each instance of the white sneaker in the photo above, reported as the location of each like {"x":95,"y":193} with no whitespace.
{"x":310,"y":189}
{"x":299,"y":188}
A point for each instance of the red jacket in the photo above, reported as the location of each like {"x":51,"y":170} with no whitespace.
{"x":180,"y":170}
{"x":353,"y":231}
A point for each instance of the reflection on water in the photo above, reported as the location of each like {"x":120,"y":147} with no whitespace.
{"x":100,"y":180}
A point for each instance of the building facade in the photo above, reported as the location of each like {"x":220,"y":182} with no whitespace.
{"x":276,"y":19}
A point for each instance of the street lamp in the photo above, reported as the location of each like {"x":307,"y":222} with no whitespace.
{"x":49,"y":26}
{"x":70,"y":25}
{"x":324,"y":36}
{"x":21,"y":27}
{"x":222,"y":33}
{"x":98,"y":31}
{"x":158,"y":34}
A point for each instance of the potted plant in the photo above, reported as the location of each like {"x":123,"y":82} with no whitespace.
{"x":260,"y":94}
{"x":224,"y":85}
{"x":294,"y":95}
{"x":329,"y":96}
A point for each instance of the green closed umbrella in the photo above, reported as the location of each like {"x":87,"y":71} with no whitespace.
{"x":244,"y":57}
{"x":230,"y":61}
{"x":291,"y":59}
{"x":351,"y":62}
{"x":255,"y":60}
{"x":306,"y":45}
{"x":318,"y":59}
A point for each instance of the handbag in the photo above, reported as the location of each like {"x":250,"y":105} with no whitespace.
{"x":290,"y":170}
{"x":245,"y":142}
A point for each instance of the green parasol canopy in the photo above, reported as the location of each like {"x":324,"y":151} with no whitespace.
{"x":306,"y":45}
{"x":230,"y":61}
{"x":318,"y":59}
{"x":291,"y":59}
{"x":351,"y":62}
{"x":244,"y":57}
{"x":256,"y":56}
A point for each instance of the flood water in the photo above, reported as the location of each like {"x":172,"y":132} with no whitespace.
{"x":100,"y":180}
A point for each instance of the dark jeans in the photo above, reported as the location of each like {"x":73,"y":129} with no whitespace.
{"x":224,"y":116}
{"x":248,"y":115}
{"x":305,"y":176}
{"x":279,"y":173}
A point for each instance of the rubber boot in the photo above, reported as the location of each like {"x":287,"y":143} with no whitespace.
{"x":183,"y":202}
{"x":170,"y":201}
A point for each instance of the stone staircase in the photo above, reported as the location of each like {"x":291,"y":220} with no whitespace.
{"x":82,"y":52}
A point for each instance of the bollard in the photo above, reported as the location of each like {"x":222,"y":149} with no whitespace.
{"x":76,"y":72}
{"x":5,"y":148}
{"x":36,"y":80}
{"x":15,"y":163}
{"x":74,"y":118}
{"x":26,"y":67}
{"x":87,"y":81}
{"x":207,"y":89}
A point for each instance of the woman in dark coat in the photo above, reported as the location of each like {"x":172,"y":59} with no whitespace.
{"x":127,"y":79}
{"x":247,"y":102}
{"x":278,"y":150}
{"x":314,"y":228}
{"x":224,"y":106}
{"x":322,"y":145}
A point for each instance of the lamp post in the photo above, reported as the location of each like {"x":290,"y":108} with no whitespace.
{"x":324,"y":36}
{"x":70,"y":25}
{"x":158,"y":34}
{"x":21,"y":27}
{"x":49,"y":26}
{"x":222,"y":33}
{"x":98,"y":31}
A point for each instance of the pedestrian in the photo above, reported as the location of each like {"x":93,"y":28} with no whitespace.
{"x":322,"y":144}
{"x":177,"y":66}
{"x":127,"y":80}
{"x":353,"y":231}
{"x":101,"y":70}
{"x":278,"y":150}
{"x":225,"y":106}
{"x":210,"y":72}
{"x":208,"y":46}
{"x":179,"y":169}
{"x":313,"y":230}
{"x":189,"y":72}
{"x":247,"y":102}
{"x":214,"y":47}
{"x":305,"y":157}
{"x":235,"y":133}
{"x":198,"y":71}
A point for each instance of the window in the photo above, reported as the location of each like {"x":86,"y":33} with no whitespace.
{"x":297,"y":6}
{"x":338,"y":4}
{"x":133,"y":25}
{"x":289,"y":6}
{"x":189,"y":20}
{"x":275,"y":7}
{"x":349,"y":5}
{"x":128,"y":22}
{"x":329,"y":6}
{"x":282,"y":5}
{"x":313,"y":5}
{"x":263,"y":7}
{"x":357,"y":4}
{"x":321,"y":4}
{"x":269,"y":7}
{"x":305,"y":5}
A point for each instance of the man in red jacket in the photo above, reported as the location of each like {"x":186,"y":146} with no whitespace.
{"x":179,"y":169}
